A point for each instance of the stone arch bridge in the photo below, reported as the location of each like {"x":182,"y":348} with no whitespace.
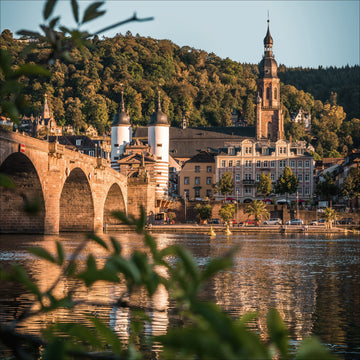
{"x":73,"y":191}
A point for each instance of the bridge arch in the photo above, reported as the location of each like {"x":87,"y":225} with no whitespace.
{"x":28,"y":193}
{"x":76,"y":203}
{"x":114,"y":201}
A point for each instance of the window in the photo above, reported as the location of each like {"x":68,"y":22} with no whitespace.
{"x":237,"y":162}
{"x":237,"y":177}
{"x":197,"y":180}
{"x":230,"y":163}
{"x":78,"y":142}
{"x":208,"y":193}
{"x":307,"y":177}
{"x":186,"y":180}
{"x":268,"y":90}
{"x":258,"y":163}
{"x":300,"y":177}
{"x":197,"y":169}
{"x":307,"y":163}
{"x":300,"y":191}
{"x":247,"y":190}
{"x":208,"y":180}
{"x":186,"y":193}
{"x":248,"y":150}
{"x":272,"y":163}
{"x":280,"y":150}
{"x":159,"y":145}
{"x":247,"y":176}
{"x":275,"y":94}
{"x":292,"y":163}
{"x":300,"y":164}
{"x":231,"y":151}
{"x":272,"y":177}
{"x":208,"y":169}
{"x":307,"y":191}
{"x":237,"y":191}
{"x":282,"y":163}
{"x":265,"y":163}
{"x":91,"y":153}
{"x":197,"y":192}
{"x":223,"y":163}
{"x":257,"y":177}
{"x":248,"y":163}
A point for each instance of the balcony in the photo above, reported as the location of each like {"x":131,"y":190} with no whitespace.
{"x":248,"y":182}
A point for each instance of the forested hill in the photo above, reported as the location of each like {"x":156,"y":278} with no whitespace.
{"x":88,"y":90}
{"x":320,"y":82}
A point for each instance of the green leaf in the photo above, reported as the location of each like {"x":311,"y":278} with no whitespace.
{"x":31,"y":34}
{"x":42,"y":253}
{"x":60,"y":252}
{"x":53,"y":22}
{"x":6,"y":182}
{"x":48,"y":8}
{"x":75,"y":10}
{"x":18,"y":274}
{"x":126,"y":267}
{"x":108,"y":335}
{"x":216,"y":265}
{"x":312,"y":349}
{"x":188,"y":262}
{"x":122,"y":216}
{"x":98,"y":240}
{"x":30,"y":69}
{"x":278,"y":332}
{"x":116,"y":245}
{"x":91,"y":12}
{"x":54,"y":350}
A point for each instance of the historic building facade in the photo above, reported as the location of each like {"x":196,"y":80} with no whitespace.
{"x":248,"y":159}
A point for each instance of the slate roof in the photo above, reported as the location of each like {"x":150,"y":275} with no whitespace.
{"x":188,"y":142}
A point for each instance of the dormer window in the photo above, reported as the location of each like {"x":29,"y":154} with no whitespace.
{"x":78,"y":142}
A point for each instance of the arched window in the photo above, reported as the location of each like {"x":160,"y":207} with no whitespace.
{"x":268,"y":93}
{"x":275,"y":93}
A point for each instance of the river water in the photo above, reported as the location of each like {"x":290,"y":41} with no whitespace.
{"x":314,"y":282}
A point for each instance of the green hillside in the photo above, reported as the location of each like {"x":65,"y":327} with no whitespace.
{"x":88,"y":90}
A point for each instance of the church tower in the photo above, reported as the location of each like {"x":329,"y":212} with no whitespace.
{"x":269,"y":118}
{"x":158,"y":139}
{"x":120,"y":134}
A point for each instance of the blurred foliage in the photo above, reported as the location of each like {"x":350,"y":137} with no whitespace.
{"x":207,"y":332}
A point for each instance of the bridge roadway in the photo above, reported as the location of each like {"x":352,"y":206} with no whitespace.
{"x":73,"y":191}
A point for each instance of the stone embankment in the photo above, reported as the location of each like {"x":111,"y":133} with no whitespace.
{"x":221,"y":229}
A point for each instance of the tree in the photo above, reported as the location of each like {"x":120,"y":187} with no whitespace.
{"x":227,"y":212}
{"x":225,"y":184}
{"x":327,"y":188}
{"x":351,"y":184}
{"x":287,"y":182}
{"x":264,"y":186}
{"x":204,"y":212}
{"x":257,"y":209}
{"x":330,"y":216}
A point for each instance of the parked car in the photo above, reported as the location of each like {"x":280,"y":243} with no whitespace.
{"x":295,"y":222}
{"x":247,"y":222}
{"x":318,"y":222}
{"x":214,"y":221}
{"x":346,"y":221}
{"x":273,"y":221}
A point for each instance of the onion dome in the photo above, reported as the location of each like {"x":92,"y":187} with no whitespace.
{"x":268,"y":40}
{"x":122,"y":117}
{"x":158,"y":117}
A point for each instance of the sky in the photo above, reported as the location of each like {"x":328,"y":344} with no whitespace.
{"x":305,"y":33}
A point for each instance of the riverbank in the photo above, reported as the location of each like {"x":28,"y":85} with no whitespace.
{"x":220,"y":229}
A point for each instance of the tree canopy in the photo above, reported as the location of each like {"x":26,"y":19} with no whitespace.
{"x":287,"y":182}
{"x":88,"y":89}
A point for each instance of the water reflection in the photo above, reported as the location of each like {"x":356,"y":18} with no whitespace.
{"x":312,"y":281}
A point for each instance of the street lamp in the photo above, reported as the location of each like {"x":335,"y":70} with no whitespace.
{"x":237,"y":207}
{"x":297,"y":204}
{"x":185,"y":205}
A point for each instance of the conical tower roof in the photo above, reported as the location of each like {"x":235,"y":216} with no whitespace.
{"x":158,"y":117}
{"x":268,"y":40}
{"x":121,"y":117}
